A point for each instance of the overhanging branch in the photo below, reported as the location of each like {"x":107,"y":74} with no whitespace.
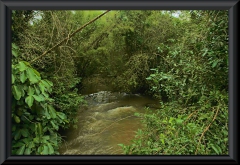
{"x":70,"y":36}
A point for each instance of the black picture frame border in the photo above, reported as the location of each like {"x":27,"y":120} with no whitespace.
{"x":5,"y":71}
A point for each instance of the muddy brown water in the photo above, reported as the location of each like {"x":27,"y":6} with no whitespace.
{"x":107,"y":120}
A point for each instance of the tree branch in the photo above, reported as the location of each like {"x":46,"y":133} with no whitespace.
{"x":205,"y":130}
{"x":67,"y":38}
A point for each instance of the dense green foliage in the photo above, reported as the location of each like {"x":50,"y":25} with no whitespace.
{"x":193,"y":79}
{"x":42,"y":103}
{"x":181,"y":60}
{"x":36,"y":122}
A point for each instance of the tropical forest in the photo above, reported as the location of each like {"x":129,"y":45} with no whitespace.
{"x":119,"y":82}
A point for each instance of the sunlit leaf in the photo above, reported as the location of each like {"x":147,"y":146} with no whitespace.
{"x":179,"y":121}
{"x":39,"y":98}
{"x":15,"y":53}
{"x":16,"y":92}
{"x":50,"y":148}
{"x":33,"y":78}
{"x":29,"y":100}
{"x":23,"y":76}
{"x":215,"y":148}
{"x":31,"y":144}
{"x":17,"y":119}
{"x":45,"y":150}
{"x":61,"y":115}
{"x":14,"y":46}
{"x":214,"y":64}
{"x":13,"y":79}
{"x":22,"y":66}
{"x":30,"y":91}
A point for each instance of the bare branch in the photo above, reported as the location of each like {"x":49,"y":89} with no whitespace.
{"x":67,"y":38}
{"x":206,"y":129}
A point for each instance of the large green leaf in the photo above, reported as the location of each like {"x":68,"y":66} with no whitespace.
{"x":52,"y":111}
{"x":214,"y":64}
{"x":14,"y":46}
{"x":46,"y":137}
{"x":18,"y":144}
{"x":29,"y":100}
{"x":45,"y":150}
{"x":17,"y":119}
{"x":26,"y":140}
{"x":40,"y":149}
{"x":36,"y":72}
{"x":32,"y":76}
{"x":24,"y":132}
{"x":47,"y":84}
{"x":23,"y":76}
{"x":15,"y":53}
{"x":31,"y":144}
{"x":54,"y":138}
{"x":216,"y":148}
{"x":13,"y":79}
{"x":37,"y":89}
{"x":20,"y":151}
{"x":46,"y":113}
{"x":22,"y":90}
{"x":46,"y":95}
{"x":36,"y":140}
{"x":26,"y":63}
{"x":16,"y":92}
{"x":30,"y":91}
{"x":27,"y":151}
{"x":42,"y":87}
{"x":39,"y":97}
{"x":179,"y":121}
{"x":54,"y":125}
{"x":50,"y":148}
{"x":61,"y":115}
{"x":22,"y":66}
{"x":39,"y":129}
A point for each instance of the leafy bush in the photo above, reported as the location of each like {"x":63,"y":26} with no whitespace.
{"x":176,"y":130}
{"x":192,"y":75}
{"x":69,"y":104}
{"x":35,"y":121}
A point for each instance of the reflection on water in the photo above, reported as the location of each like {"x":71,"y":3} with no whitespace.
{"x":107,"y":121}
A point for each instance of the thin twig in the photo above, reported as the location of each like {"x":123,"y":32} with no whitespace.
{"x":58,"y":68}
{"x":29,"y":120}
{"x":68,"y":47}
{"x":206,"y":130}
{"x":190,"y":116}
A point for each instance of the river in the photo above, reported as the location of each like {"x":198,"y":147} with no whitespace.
{"x":107,"y":120}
